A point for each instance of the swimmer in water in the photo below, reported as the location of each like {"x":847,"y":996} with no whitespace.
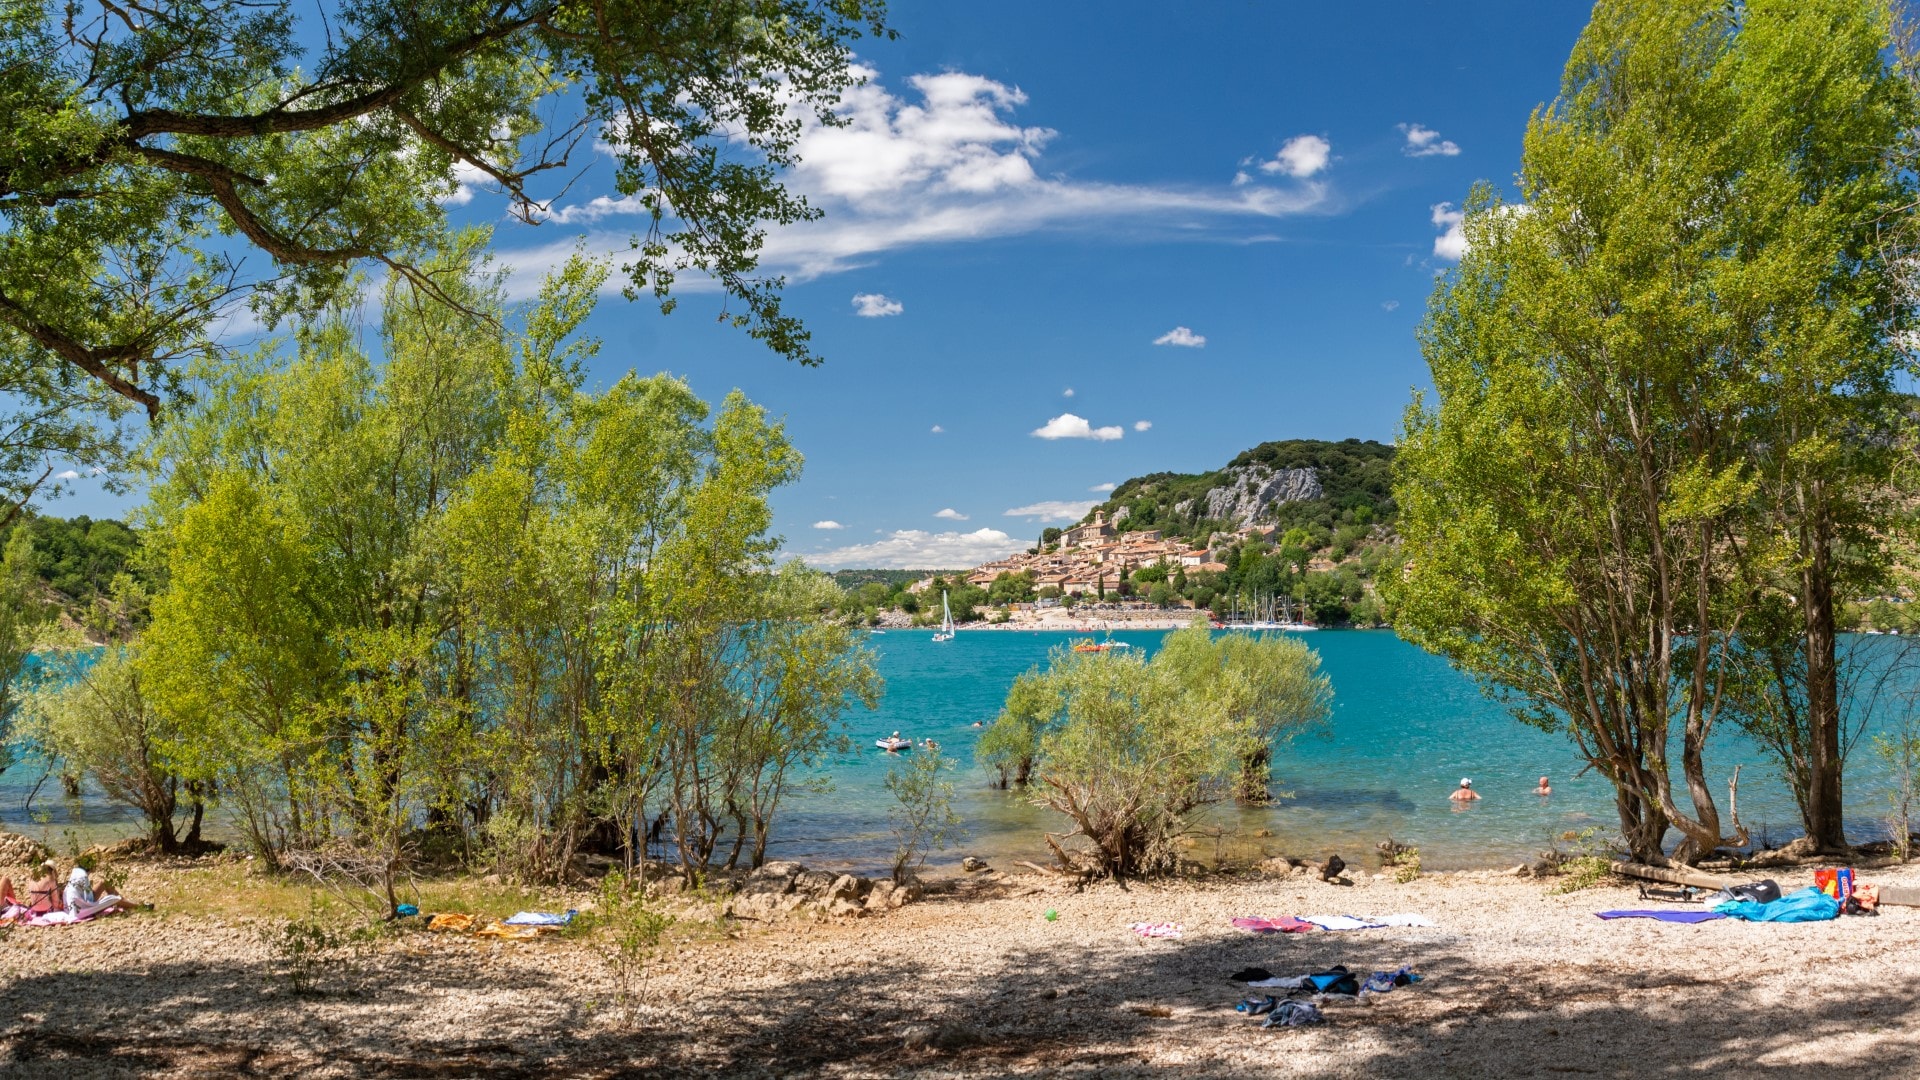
{"x":1465,"y":792}
{"x":1545,"y":788}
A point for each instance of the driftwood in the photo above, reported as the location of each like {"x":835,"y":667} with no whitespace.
{"x":1673,"y":875}
{"x":1037,"y":866}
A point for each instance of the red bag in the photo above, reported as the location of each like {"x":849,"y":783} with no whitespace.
{"x":1827,"y":881}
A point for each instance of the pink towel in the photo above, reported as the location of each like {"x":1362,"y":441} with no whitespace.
{"x":1285,"y":924}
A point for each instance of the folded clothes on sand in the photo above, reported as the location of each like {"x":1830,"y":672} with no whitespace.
{"x":1292,"y":1014}
{"x":1664,"y":915}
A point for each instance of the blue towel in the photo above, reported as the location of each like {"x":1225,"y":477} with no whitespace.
{"x":1664,"y":915}
{"x":540,"y":918}
{"x":1807,"y":905}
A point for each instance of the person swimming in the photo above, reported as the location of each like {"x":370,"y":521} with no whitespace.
{"x":1465,"y":792}
{"x":1545,"y":788}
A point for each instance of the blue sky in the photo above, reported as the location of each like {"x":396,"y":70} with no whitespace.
{"x":1165,"y":233}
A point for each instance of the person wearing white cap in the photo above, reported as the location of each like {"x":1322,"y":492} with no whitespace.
{"x":1465,"y":792}
{"x":80,"y":900}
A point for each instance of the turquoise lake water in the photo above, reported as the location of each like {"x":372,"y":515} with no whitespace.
{"x":1405,"y":729}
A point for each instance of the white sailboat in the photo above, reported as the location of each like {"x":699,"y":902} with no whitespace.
{"x":946,"y":620}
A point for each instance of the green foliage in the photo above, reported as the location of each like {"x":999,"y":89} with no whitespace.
{"x":457,"y":588}
{"x":1270,"y":686}
{"x":143,"y":153}
{"x":634,"y":934}
{"x":1588,"y":865}
{"x":1899,"y":750}
{"x":21,"y":616}
{"x":94,"y":720}
{"x":1127,"y":749}
{"x":921,"y":817}
{"x":1700,"y":229}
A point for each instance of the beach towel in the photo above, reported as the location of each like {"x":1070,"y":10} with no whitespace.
{"x":540,"y":918}
{"x":1664,"y":915}
{"x":57,"y":918}
{"x":1285,"y":924}
{"x":1340,"y":922}
{"x":451,"y":921}
{"x":1807,"y":905}
{"x":1401,"y":920}
{"x":1157,"y":929}
{"x":509,"y":933}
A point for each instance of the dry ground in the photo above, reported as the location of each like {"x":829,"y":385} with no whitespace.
{"x":1519,"y":982}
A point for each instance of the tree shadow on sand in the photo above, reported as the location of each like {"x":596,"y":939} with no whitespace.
{"x":1123,"y":1008}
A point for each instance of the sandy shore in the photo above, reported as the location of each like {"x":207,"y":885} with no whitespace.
{"x":977,"y":982}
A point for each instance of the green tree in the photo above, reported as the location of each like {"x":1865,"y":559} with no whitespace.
{"x":143,"y":151}
{"x":98,"y":724}
{"x":921,"y":817}
{"x":1270,"y":684}
{"x":1128,"y":749}
{"x":1585,"y":510}
{"x":21,"y":616}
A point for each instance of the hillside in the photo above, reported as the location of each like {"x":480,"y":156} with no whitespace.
{"x":1291,"y":483}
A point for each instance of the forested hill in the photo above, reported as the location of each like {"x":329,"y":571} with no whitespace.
{"x":1289,"y":483}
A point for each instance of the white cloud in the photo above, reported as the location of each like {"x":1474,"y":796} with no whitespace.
{"x":1069,"y":426}
{"x":1426,"y":142}
{"x":466,"y":179}
{"x":938,"y":430}
{"x":942,"y":161}
{"x":828,"y":525}
{"x":1054,"y":510}
{"x":1389,"y":305}
{"x":951,"y":514}
{"x":594,"y":209}
{"x":916,"y":549}
{"x":70,"y":474}
{"x":1142,"y":425}
{"x":1068,"y":392}
{"x":1451,"y":244}
{"x":1300,"y":157}
{"x":1103,"y":487}
{"x":1182,"y":336}
{"x":872,"y":305}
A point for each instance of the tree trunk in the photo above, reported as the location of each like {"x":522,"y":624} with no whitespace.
{"x":1823,"y":811}
{"x":1642,"y":825}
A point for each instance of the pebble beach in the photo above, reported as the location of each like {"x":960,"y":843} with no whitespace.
{"x":975,"y":979}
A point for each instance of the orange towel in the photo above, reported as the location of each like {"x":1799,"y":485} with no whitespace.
{"x":459,"y":924}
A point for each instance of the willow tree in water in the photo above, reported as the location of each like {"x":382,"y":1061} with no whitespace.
{"x":1609,"y":484}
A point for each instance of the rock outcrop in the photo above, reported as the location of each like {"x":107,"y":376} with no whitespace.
{"x":1251,"y":489}
{"x":780,"y":889}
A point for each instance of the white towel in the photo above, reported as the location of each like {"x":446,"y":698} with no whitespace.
{"x":1402,"y":920}
{"x":1339,"y":922}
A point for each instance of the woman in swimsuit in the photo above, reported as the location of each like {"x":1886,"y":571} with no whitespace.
{"x":43,"y":893}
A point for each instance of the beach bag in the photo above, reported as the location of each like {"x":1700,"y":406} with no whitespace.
{"x":1764,"y":891}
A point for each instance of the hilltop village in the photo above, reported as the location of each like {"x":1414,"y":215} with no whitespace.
{"x":1090,"y":559}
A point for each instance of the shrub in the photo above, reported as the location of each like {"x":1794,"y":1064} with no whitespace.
{"x":922,"y":816}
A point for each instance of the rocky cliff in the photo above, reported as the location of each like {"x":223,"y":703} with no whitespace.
{"x":1251,"y":489}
